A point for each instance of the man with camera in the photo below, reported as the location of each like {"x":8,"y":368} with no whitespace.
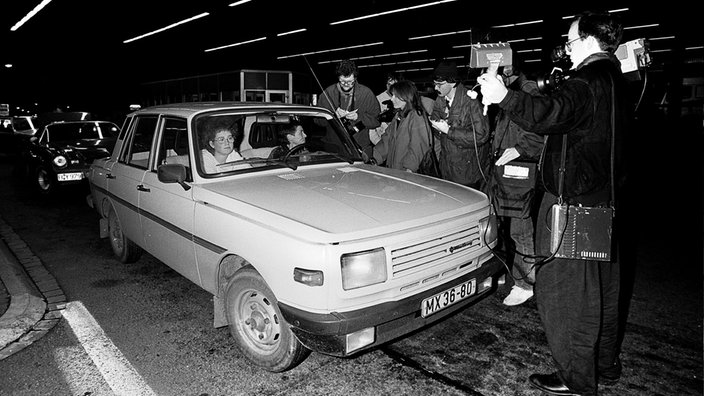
{"x":584,"y":119}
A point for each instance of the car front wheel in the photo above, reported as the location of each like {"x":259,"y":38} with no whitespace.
{"x":260,"y":332}
{"x":45,"y":180}
{"x":123,"y":248}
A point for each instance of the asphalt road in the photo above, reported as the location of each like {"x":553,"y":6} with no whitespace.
{"x":161,"y":325}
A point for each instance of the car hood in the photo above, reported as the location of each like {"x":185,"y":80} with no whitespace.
{"x":346,"y":199}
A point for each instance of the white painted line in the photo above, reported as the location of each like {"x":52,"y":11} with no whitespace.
{"x":122,"y":378}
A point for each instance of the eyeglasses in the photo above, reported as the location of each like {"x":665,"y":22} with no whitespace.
{"x":568,"y":45}
{"x":222,"y":139}
{"x":346,"y":83}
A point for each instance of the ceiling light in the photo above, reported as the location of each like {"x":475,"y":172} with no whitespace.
{"x":235,"y":44}
{"x":440,"y":34}
{"x":330,"y":50}
{"x":30,"y":14}
{"x":641,"y":26}
{"x":391,"y":12}
{"x":517,"y":24}
{"x":167,"y":27}
{"x":238,"y":3}
{"x":291,"y":32}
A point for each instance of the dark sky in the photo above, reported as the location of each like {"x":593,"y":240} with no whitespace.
{"x":74,"y":50}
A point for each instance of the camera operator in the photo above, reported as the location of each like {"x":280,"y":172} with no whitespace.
{"x":578,"y":300}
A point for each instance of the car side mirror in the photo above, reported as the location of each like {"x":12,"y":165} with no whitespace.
{"x":173,"y":173}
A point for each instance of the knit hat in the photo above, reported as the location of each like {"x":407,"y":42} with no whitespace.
{"x":445,"y":71}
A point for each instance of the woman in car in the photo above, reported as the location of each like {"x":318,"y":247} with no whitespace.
{"x":219,"y":146}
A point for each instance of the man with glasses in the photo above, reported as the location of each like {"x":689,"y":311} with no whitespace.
{"x":462,"y":128}
{"x":578,"y":300}
{"x":354,"y":103}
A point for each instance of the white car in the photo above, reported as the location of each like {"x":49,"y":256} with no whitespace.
{"x":315,"y":250}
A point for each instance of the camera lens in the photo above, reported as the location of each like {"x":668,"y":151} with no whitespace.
{"x":558,"y":54}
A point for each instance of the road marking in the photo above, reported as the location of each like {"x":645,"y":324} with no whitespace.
{"x":122,"y":378}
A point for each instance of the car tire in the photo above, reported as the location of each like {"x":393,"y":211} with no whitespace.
{"x":256,"y":323}
{"x":123,"y":248}
{"x":44,"y":180}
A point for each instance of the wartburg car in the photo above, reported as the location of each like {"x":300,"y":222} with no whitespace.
{"x":313,"y":249}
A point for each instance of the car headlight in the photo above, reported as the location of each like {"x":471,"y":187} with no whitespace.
{"x":60,"y":161}
{"x":363,"y":268}
{"x":488,"y":229}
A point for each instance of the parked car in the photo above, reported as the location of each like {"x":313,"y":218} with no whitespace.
{"x":315,"y":250}
{"x":60,"y":153}
{"x":14,"y":128}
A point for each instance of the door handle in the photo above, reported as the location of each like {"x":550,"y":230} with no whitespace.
{"x":109,"y":176}
{"x":141,"y":187}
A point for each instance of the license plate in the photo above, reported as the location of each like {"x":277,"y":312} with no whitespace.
{"x":448,"y":297}
{"x":70,"y":176}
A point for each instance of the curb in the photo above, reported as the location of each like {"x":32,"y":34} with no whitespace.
{"x":36,"y":299}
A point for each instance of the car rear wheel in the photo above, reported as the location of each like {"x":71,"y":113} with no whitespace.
{"x":123,"y":248}
{"x":45,"y":180}
{"x":259,"y":329}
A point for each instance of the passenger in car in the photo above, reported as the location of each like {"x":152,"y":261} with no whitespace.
{"x":289,"y":137}
{"x":219,"y":144}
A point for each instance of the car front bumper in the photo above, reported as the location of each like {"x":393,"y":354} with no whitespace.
{"x":328,"y":333}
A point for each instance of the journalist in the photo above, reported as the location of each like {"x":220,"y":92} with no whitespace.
{"x":577,"y":299}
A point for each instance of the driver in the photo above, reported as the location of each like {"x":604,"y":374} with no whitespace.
{"x":289,"y":137}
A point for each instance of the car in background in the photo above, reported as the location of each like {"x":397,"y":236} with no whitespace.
{"x":14,"y":128}
{"x":313,"y":250}
{"x":60,"y":153}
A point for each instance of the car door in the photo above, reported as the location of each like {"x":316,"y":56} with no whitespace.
{"x":166,"y":210}
{"x":124,"y":180}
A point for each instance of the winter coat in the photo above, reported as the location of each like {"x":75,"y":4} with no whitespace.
{"x":580,"y":111}
{"x":364,"y":101}
{"x":459,"y":161}
{"x":405,"y":142}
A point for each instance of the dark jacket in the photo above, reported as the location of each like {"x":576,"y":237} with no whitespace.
{"x":508,"y":134}
{"x":579,"y":110}
{"x":406,"y":140}
{"x":459,"y":162}
{"x":364,"y":101}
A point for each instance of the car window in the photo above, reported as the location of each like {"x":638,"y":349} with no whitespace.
{"x":61,"y":133}
{"x":140,"y":141}
{"x":108,"y":129}
{"x":173,"y":146}
{"x":89,"y":131}
{"x":256,"y":136}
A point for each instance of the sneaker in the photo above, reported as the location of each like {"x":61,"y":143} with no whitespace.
{"x":517,"y":296}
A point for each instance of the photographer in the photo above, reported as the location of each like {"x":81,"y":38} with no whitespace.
{"x":577,"y":299}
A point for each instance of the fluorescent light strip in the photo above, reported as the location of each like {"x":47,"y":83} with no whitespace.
{"x":238,"y":3}
{"x":440,"y":34}
{"x":641,"y":26}
{"x":517,"y":24}
{"x":661,"y":38}
{"x":524,"y":39}
{"x":391,"y":12}
{"x":529,"y":50}
{"x":694,"y":48}
{"x":531,"y":60}
{"x":330,"y":50}
{"x":374,"y":56}
{"x":235,"y":44}
{"x":167,"y":27}
{"x":611,"y":12}
{"x":291,"y":32}
{"x":30,"y":14}
{"x":661,"y":50}
{"x":413,"y":70}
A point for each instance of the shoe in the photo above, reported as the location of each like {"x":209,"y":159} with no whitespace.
{"x":517,"y":296}
{"x":551,"y":383}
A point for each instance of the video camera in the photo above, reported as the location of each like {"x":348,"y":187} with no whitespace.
{"x":633,"y":55}
{"x":388,"y":114}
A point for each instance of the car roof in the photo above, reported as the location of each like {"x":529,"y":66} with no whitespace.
{"x":191,"y":108}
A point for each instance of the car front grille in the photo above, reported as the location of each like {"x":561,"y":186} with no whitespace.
{"x":409,"y":259}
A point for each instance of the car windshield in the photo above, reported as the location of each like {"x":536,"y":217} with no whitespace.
{"x":228,"y":142}
{"x":80,"y":130}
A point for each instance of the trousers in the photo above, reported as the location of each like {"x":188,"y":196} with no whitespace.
{"x":578,"y":304}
